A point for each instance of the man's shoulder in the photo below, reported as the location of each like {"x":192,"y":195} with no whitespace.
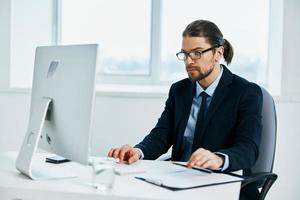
{"x":181,"y":87}
{"x":238,"y":84}
{"x":235,"y":81}
{"x":244,"y":85}
{"x":184,"y":83}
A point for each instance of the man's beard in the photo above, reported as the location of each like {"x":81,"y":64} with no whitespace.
{"x":202,"y":76}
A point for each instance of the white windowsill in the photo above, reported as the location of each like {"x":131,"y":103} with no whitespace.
{"x":150,"y":91}
{"x":114,"y":90}
{"x":136,"y":91}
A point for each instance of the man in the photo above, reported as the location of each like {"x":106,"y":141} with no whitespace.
{"x":213,"y":118}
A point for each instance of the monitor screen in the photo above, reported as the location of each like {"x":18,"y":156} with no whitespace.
{"x":64,"y":78}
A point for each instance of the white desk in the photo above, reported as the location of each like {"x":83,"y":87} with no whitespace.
{"x":14,"y":186}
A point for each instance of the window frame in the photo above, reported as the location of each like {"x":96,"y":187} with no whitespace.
{"x":154,"y":58}
{"x":274,"y":60}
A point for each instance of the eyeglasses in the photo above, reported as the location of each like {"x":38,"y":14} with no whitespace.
{"x":194,"y":55}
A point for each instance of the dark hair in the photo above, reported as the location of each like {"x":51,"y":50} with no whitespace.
{"x":212,"y":34}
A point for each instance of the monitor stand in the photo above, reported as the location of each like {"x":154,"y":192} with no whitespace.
{"x":28,"y":150}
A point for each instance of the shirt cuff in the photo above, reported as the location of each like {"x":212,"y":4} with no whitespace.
{"x":141,"y":153}
{"x":226,"y":161}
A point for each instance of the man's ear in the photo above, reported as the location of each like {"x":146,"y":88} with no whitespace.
{"x":219,"y":53}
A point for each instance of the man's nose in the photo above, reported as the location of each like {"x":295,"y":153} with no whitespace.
{"x":189,"y":61}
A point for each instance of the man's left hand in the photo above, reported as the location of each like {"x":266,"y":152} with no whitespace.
{"x":206,"y":159}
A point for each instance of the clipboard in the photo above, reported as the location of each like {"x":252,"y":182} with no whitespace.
{"x":185,"y":178}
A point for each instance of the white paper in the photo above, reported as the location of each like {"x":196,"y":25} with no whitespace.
{"x":187,"y":178}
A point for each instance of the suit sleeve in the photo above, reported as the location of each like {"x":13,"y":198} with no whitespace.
{"x":158,"y":141}
{"x":247,"y":134}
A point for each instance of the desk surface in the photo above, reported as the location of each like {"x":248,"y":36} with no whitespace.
{"x":14,"y":185}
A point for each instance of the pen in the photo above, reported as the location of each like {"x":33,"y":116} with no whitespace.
{"x":196,"y":168}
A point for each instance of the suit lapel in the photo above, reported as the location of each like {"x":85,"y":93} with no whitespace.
{"x":186,"y":104}
{"x":219,"y":94}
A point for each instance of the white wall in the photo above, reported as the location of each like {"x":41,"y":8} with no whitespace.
{"x":127,"y":118}
{"x":287,"y":160}
{"x":121,"y":120}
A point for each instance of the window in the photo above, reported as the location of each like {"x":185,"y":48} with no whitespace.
{"x":246,"y":29}
{"x":138,"y":39}
{"x":31,"y":26}
{"x":122,"y":28}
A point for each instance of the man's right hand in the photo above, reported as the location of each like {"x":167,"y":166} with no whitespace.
{"x":125,"y":153}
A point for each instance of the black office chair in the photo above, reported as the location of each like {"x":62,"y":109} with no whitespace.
{"x":262,"y":170}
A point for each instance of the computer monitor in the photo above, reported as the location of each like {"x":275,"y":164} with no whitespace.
{"x":61,"y":110}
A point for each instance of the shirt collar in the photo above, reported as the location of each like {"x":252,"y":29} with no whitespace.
{"x":211,"y":89}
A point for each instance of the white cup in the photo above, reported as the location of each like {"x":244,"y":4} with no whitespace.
{"x":103,"y":172}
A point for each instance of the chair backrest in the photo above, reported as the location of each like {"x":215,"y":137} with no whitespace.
{"x":265,"y":159}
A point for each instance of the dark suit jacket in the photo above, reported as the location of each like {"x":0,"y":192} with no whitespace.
{"x":232,"y":123}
